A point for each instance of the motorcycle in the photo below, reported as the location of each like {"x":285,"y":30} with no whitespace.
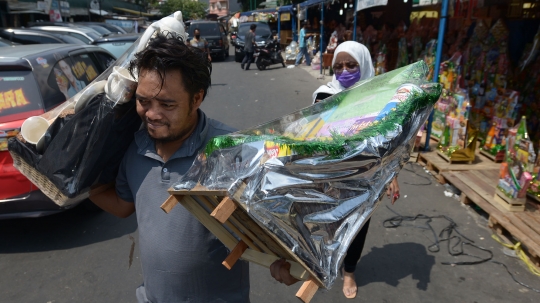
{"x":268,"y":55}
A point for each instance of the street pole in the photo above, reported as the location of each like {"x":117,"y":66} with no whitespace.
{"x":354,"y":25}
{"x":321,"y":38}
{"x":440,"y":39}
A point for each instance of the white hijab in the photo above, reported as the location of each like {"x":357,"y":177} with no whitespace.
{"x":361,"y":54}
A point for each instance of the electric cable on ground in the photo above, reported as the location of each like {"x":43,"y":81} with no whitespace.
{"x":457,"y":249}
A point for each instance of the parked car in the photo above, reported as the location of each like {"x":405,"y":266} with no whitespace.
{"x":84,"y":34}
{"x":30,"y":80}
{"x":4,"y":42}
{"x":117,"y":44}
{"x":215,"y":34}
{"x":111,"y":27}
{"x":94,"y":25}
{"x":30,"y":36}
{"x":263,"y":35}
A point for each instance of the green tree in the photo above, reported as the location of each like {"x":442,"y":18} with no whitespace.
{"x":190,"y":9}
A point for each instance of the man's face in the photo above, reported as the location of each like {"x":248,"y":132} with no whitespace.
{"x":166,"y":110}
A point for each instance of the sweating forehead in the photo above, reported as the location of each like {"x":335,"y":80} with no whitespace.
{"x":344,"y":56}
{"x":169,"y":83}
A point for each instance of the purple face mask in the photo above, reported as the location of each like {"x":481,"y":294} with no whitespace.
{"x":348,"y":79}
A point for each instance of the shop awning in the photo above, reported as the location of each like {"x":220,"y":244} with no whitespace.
{"x":286,"y":9}
{"x":98,"y":12}
{"x":133,"y":12}
{"x":266,"y":10}
{"x":312,"y":3}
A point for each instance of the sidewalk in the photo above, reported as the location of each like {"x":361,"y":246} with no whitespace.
{"x":315,"y":73}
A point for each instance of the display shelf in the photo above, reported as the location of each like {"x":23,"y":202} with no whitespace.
{"x":478,"y":187}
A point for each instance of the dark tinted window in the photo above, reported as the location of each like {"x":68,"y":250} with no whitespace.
{"x":71,"y":75}
{"x":262,"y":30}
{"x":48,"y":40}
{"x":19,"y":96}
{"x":27,"y":39}
{"x":206,"y":29}
{"x":70,"y":40}
{"x":104,"y":59}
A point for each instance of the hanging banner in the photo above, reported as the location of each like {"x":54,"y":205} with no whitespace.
{"x":54,"y":12}
{"x":363,"y":4}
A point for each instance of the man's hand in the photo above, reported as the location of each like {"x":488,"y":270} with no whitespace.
{"x":280,"y":271}
{"x":392,"y":192}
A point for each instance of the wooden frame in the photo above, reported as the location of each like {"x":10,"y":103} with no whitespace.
{"x":229,"y":221}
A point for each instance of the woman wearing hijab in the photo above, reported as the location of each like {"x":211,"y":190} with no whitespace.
{"x":352,"y":63}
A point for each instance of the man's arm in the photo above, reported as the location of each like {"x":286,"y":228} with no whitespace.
{"x":110,"y":202}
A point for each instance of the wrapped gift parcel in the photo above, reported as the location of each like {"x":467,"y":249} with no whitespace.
{"x":66,"y":151}
{"x":313,"y":177}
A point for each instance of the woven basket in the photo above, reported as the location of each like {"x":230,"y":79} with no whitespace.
{"x":44,"y":184}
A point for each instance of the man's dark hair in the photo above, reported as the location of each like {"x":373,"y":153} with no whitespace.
{"x":168,"y":52}
{"x":197,"y":29}
{"x":253,"y":27}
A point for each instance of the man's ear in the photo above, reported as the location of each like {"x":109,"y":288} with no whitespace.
{"x":198,"y":99}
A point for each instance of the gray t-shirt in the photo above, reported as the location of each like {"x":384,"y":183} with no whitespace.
{"x":181,"y":260}
{"x":249,"y":40}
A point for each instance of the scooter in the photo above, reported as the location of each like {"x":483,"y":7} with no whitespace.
{"x":268,"y":55}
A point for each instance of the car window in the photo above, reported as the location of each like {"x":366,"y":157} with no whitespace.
{"x":116,"y":48}
{"x":70,"y":39}
{"x":261,"y":31}
{"x":19,"y":96}
{"x":79,"y":36}
{"x":27,"y":39}
{"x":99,"y":29}
{"x":48,"y":40}
{"x":206,"y":29}
{"x":69,"y":76}
{"x":104,"y":59}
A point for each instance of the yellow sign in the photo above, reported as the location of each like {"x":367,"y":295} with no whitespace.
{"x":80,"y":68}
{"x":12,"y":98}
{"x":285,"y":17}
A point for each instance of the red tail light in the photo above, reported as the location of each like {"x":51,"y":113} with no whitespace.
{"x":233,"y":36}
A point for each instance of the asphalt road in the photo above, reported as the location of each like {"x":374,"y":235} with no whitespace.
{"x":79,"y":256}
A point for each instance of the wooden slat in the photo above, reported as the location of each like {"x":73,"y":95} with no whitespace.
{"x":307,"y":291}
{"x":296,"y":270}
{"x":198,"y":190}
{"x":224,"y":210}
{"x":229,"y":225}
{"x":268,"y":245}
{"x":508,"y":220}
{"x":476,"y":198}
{"x":235,"y":254}
{"x":210,"y":223}
{"x":509,"y":207}
{"x":280,"y":244}
{"x":169,"y":204}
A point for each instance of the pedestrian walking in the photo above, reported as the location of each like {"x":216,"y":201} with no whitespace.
{"x":352,"y":63}
{"x":303,"y":46}
{"x":249,"y":47}
{"x":200,"y":43}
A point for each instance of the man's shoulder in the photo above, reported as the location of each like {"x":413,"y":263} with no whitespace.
{"x":217,"y":128}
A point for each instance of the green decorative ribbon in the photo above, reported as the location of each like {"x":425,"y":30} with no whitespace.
{"x":337,"y":145}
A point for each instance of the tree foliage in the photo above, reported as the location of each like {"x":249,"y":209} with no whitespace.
{"x":190,"y":9}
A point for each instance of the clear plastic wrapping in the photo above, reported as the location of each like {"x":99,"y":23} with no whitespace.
{"x":315,"y":176}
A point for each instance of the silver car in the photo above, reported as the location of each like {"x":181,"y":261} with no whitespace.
{"x":85,"y":34}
